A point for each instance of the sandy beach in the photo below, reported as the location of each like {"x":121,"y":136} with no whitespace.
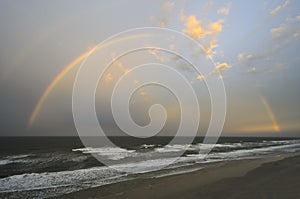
{"x":269,"y":177}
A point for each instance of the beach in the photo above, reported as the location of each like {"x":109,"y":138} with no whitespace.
{"x":274,"y":176}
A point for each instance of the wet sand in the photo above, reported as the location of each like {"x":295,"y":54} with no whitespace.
{"x":268,"y":177}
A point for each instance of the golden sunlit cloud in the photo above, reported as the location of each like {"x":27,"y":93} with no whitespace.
{"x":108,"y":77}
{"x":217,"y":26}
{"x":220,"y":77}
{"x":195,"y":28}
{"x":200,"y":77}
{"x":143,"y":93}
{"x":240,"y":56}
{"x":119,"y":64}
{"x":209,"y":48}
{"x":220,"y":67}
{"x":155,"y":53}
{"x":115,"y":60}
{"x":126,"y":70}
{"x":198,"y":30}
{"x":280,"y":7}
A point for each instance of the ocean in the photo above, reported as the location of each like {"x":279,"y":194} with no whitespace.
{"x":43,"y":167}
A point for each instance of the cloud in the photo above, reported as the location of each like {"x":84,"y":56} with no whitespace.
{"x":168,"y":6}
{"x":252,"y":70}
{"x":207,"y":32}
{"x":278,"y":32}
{"x":119,"y":64}
{"x":200,"y":77}
{"x":240,"y":56}
{"x":220,"y":67}
{"x":108,"y":77}
{"x":250,"y":59}
{"x":210,"y":46}
{"x":143,"y":93}
{"x":135,"y":81}
{"x":162,"y":18}
{"x":224,"y":10}
{"x":283,"y":35}
{"x":254,"y":60}
{"x":296,"y":35}
{"x":217,"y":26}
{"x":155,"y":53}
{"x":279,"y":8}
{"x":182,"y":15}
{"x":197,"y":30}
{"x":296,"y":19}
{"x":285,"y":31}
{"x":207,"y":7}
{"x":194,"y":28}
{"x":162,"y":22}
{"x":220,"y":77}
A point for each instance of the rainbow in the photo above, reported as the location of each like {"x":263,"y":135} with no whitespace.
{"x":54,"y":82}
{"x":276,"y":126}
{"x":68,"y":68}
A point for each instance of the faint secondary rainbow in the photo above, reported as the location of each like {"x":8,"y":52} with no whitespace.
{"x":276,"y":126}
{"x":68,"y":68}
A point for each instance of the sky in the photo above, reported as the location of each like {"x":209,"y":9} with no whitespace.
{"x":253,"y":45}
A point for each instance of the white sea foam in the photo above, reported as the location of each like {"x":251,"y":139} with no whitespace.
{"x":146,"y":146}
{"x":14,"y":159}
{"x":112,"y":153}
{"x":255,"y":151}
{"x":36,"y":181}
{"x":77,"y":179}
{"x":172,"y":148}
{"x":4,"y":162}
{"x":196,"y":147}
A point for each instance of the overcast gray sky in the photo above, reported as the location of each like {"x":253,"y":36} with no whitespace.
{"x":255,"y":45}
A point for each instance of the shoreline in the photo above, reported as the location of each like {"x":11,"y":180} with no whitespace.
{"x":207,"y":182}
